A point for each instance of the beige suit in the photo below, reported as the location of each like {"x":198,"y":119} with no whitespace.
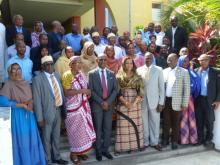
{"x":154,"y":94}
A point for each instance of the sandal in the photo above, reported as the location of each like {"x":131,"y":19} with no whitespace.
{"x":83,"y":157}
{"x":74,"y":159}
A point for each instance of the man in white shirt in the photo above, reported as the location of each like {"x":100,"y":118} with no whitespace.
{"x":159,"y":34}
{"x":118,"y":51}
{"x":177,"y":90}
{"x":11,"y":50}
{"x":99,"y":47}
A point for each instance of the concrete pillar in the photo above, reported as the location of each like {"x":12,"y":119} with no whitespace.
{"x":99,"y":9}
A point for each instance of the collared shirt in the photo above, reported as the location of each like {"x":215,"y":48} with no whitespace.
{"x":147,"y":36}
{"x":100,"y":48}
{"x":104,"y":40}
{"x":173,"y":33}
{"x":74,"y":41}
{"x":11,"y":52}
{"x":105,"y":74}
{"x":170,"y":79}
{"x":204,"y":74}
{"x":51,"y":85}
{"x":25,"y":64}
{"x":3,"y":51}
{"x":159,"y":40}
{"x":18,"y":29}
{"x":118,"y":52}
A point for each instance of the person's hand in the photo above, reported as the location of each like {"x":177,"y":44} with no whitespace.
{"x":128,"y":105}
{"x":86,"y":92}
{"x":160,"y":108}
{"x":40,"y":124}
{"x":215,"y":104}
{"x":105,"y":105}
{"x":137,"y":100}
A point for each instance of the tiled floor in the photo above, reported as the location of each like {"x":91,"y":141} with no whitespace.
{"x":204,"y":158}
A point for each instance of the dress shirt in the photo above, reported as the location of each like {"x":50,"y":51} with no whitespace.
{"x":159,"y":40}
{"x":18,"y":29}
{"x":118,"y":52}
{"x":173,"y":33}
{"x":51,"y":85}
{"x":100,"y":48}
{"x":104,"y":40}
{"x":74,"y":40}
{"x":25,"y":64}
{"x":11,"y":52}
{"x":105,"y":74}
{"x":170,"y":80}
{"x":147,"y":36}
{"x":3,"y":52}
{"x":204,"y":81}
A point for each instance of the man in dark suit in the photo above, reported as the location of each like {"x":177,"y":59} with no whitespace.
{"x":208,"y":100}
{"x":55,"y":36}
{"x":17,"y":28}
{"x":102,"y":83}
{"x":177,"y":36}
{"x":48,"y":98}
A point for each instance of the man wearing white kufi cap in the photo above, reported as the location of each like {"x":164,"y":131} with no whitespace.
{"x":118,"y":51}
{"x":99,"y":47}
{"x":48,"y":98}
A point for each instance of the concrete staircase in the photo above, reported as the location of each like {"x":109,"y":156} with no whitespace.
{"x":149,"y":155}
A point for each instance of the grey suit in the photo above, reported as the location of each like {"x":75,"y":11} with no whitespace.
{"x":45,"y":110}
{"x":102,"y":119}
{"x":154,"y":94}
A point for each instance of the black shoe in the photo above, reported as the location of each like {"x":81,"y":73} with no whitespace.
{"x":107,"y":155}
{"x":209,"y":144}
{"x":60,"y":161}
{"x":164,"y":144}
{"x":174,"y":146}
{"x":98,"y":157}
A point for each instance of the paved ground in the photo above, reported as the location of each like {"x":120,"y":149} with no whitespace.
{"x":204,"y":158}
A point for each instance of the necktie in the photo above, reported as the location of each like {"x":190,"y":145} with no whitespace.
{"x":57,"y":96}
{"x":147,"y":74}
{"x":104,"y":87}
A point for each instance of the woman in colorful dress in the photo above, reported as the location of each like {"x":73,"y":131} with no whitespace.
{"x":88,"y":58}
{"x":138,"y":59}
{"x":188,"y":130}
{"x":129,"y":125}
{"x":79,"y":126}
{"x":111,"y":63}
{"x":26,"y":143}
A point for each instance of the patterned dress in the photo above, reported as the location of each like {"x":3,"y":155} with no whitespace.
{"x":129,"y":125}
{"x":79,"y":126}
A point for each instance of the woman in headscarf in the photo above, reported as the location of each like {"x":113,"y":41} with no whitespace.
{"x":62,"y":64}
{"x":88,"y":58}
{"x":129,"y":125}
{"x":26,"y":142}
{"x":138,"y":59}
{"x":38,"y":29}
{"x":111,"y":63}
{"x":188,"y":130}
{"x":79,"y":126}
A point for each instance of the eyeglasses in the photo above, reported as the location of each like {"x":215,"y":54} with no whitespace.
{"x":14,"y":70}
{"x":102,"y":59}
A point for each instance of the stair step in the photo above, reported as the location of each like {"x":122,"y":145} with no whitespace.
{"x":148,"y":155}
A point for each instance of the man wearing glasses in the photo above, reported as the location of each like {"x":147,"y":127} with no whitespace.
{"x":48,"y":98}
{"x":103,"y":86}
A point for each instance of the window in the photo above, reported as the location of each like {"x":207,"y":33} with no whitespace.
{"x":156,"y":12}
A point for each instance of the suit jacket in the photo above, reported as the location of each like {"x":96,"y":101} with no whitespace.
{"x":54,"y":42}
{"x":11,"y":32}
{"x":180,"y":89}
{"x":96,"y":88}
{"x":213,"y":86}
{"x":154,"y":90}
{"x":44,"y":100}
{"x":180,"y":38}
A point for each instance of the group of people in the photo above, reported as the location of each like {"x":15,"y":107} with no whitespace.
{"x":88,"y":81}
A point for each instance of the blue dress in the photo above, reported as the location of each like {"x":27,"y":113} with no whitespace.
{"x":26,"y":142}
